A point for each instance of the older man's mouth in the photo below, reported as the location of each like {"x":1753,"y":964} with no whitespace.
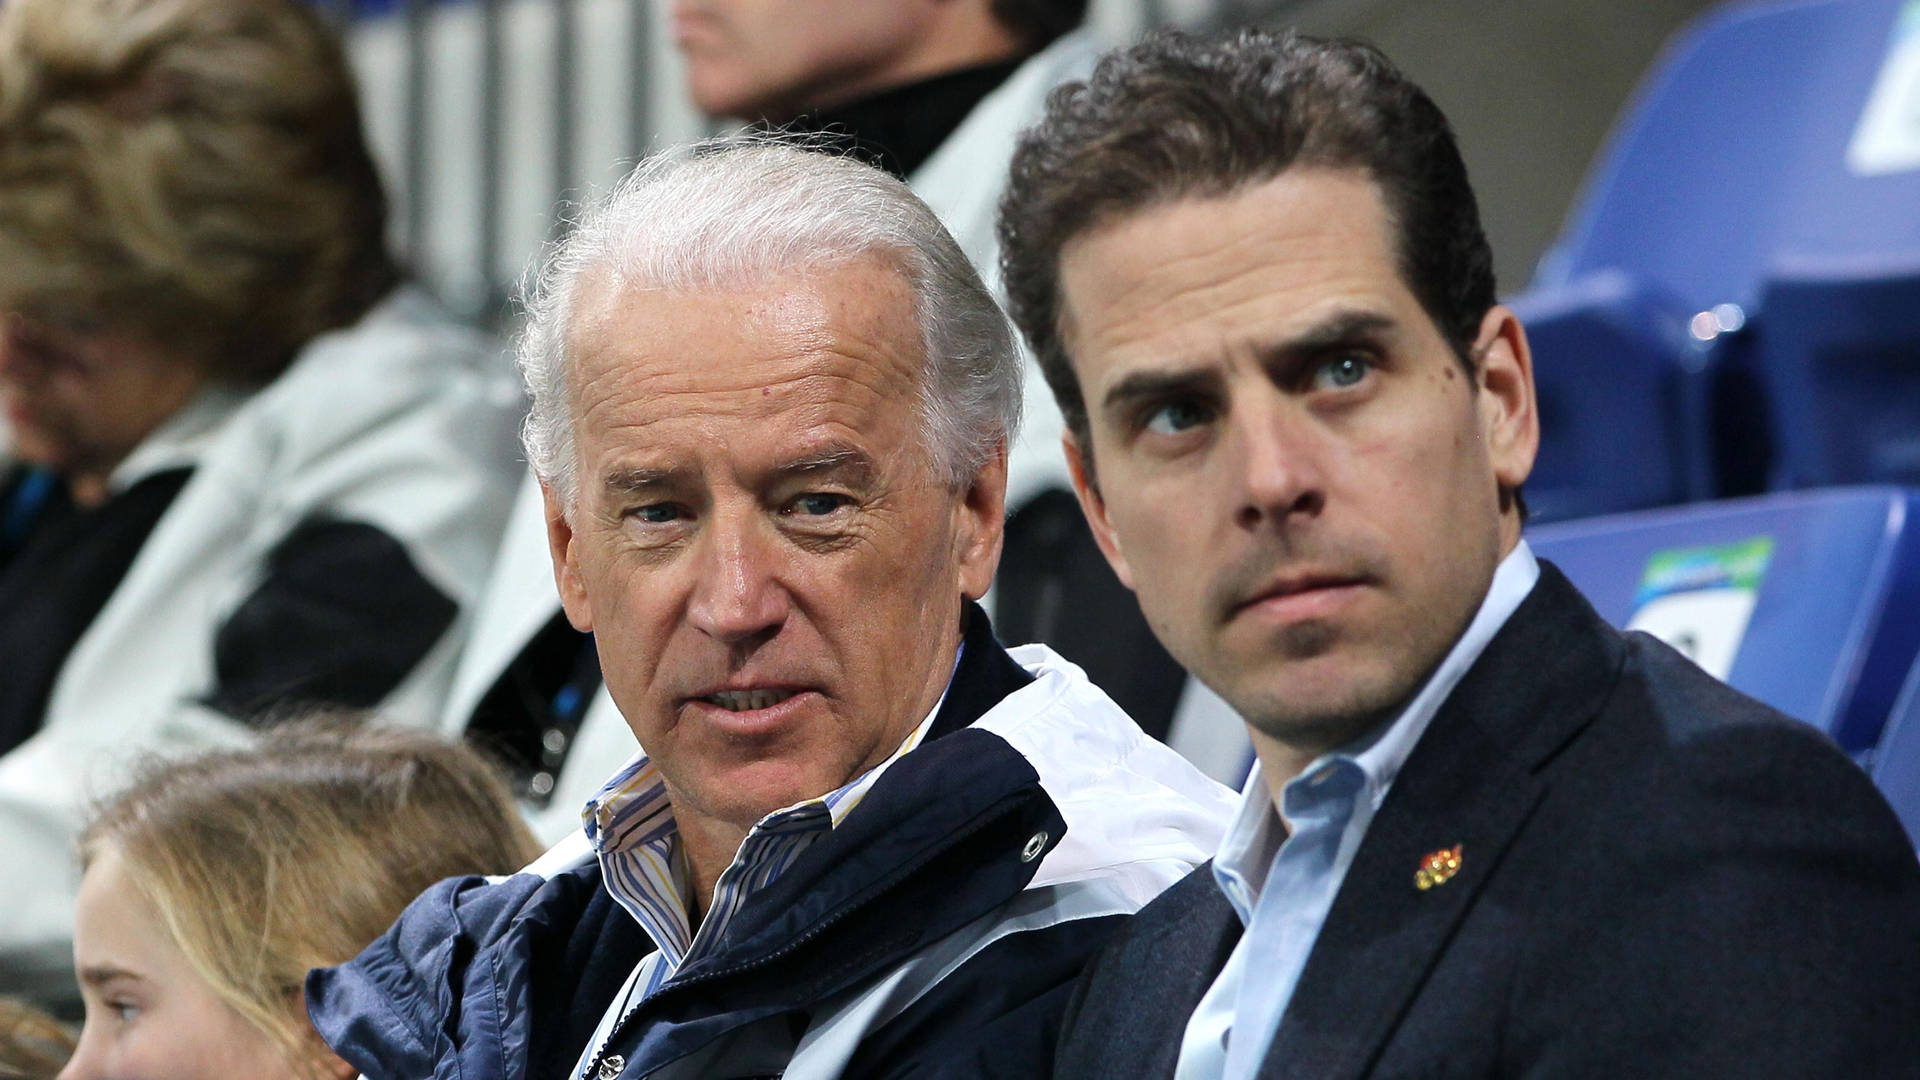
{"x":748,"y":700}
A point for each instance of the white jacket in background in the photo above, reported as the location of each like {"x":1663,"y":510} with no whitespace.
{"x":404,"y":422}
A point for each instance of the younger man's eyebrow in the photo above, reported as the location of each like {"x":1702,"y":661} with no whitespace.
{"x":1342,"y":327}
{"x":1154,"y":385}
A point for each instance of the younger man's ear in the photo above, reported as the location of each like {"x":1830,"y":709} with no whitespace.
{"x":1094,"y":506}
{"x":1509,"y":416}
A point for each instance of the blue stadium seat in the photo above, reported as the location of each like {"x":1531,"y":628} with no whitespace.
{"x":1618,"y":399}
{"x":1896,"y":764}
{"x":1733,"y":153}
{"x":1839,"y":344}
{"x":1805,"y":600}
{"x":1839,"y":356}
{"x":1684,"y":194}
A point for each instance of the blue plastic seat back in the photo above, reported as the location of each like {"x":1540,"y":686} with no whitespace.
{"x":1842,"y":194}
{"x":1839,"y":355}
{"x":1619,"y":404}
{"x":1685,"y":194}
{"x":1805,"y":600}
{"x":1838,"y":344}
{"x":1896,"y":764}
{"x":1676,"y":218}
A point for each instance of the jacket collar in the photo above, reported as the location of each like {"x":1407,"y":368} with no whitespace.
{"x":1473,"y":780}
{"x":985,"y":676}
{"x":507,"y":981}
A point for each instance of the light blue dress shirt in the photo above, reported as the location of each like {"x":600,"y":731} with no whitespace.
{"x":1281,"y":882}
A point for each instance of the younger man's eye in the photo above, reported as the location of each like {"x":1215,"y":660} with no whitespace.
{"x":1341,"y":372}
{"x":1175,"y":417}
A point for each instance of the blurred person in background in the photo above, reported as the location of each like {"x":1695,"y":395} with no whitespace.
{"x":214,"y":884}
{"x":33,"y":1045}
{"x":240,"y":463}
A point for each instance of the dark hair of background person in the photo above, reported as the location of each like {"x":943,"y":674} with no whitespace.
{"x":33,"y":1045}
{"x":1039,"y":22}
{"x":1181,"y":116}
{"x":193,"y":169}
{"x":296,"y":852}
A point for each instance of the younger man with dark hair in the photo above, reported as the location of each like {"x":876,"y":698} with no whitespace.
{"x":1487,"y":834}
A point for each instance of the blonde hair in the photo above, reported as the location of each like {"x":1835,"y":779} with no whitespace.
{"x":266,"y":862}
{"x":192,"y":169}
{"x":33,"y":1045}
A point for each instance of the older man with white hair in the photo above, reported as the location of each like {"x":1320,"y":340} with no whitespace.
{"x":772,"y":404}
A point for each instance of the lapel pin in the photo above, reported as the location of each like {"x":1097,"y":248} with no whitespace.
{"x":1437,"y":868}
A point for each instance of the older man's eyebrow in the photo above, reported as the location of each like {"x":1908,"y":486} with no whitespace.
{"x":848,"y":463}
{"x":633,"y":480}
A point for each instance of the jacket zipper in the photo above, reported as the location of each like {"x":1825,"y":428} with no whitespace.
{"x":597,"y":1069}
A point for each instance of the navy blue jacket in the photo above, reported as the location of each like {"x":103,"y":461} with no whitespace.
{"x":909,"y":941}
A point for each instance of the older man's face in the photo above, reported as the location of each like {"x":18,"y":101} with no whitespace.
{"x":761,"y":543}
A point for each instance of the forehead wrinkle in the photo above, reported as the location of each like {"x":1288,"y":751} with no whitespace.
{"x":1194,"y":303}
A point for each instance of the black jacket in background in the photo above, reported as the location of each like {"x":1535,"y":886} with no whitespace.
{"x":1660,"y":877}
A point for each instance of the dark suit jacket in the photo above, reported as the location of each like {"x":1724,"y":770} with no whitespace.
{"x":1659,"y":877}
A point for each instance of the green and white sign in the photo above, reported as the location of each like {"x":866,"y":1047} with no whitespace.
{"x":1699,"y":600}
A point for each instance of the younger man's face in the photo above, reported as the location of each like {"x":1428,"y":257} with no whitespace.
{"x":1289,"y":465}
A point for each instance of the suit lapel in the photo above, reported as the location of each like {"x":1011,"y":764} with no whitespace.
{"x":1185,"y":951}
{"x":1472,"y":781}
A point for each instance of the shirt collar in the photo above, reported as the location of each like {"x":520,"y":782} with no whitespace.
{"x":629,"y":824}
{"x":1249,"y":846}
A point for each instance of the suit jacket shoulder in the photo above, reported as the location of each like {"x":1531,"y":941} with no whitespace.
{"x":1659,"y":874}
{"x":1130,"y":1007}
{"x":1659,"y":877}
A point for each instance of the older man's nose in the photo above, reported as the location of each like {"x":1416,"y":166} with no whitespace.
{"x":737,"y":594}
{"x":1276,"y":456}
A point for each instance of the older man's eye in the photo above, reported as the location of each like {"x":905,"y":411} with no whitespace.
{"x":1175,"y":417}
{"x":1342,"y":372}
{"x":656,"y":513}
{"x":818,"y":504}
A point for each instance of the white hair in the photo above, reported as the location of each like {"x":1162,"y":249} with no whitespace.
{"x":738,"y":210}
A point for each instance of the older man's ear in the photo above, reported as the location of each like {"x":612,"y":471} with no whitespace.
{"x":982,"y":525}
{"x":566,"y":567}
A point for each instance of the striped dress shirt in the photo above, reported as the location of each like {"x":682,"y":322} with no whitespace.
{"x":630,"y":825}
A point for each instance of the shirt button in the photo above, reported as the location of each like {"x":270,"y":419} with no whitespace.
{"x":611,"y":1066}
{"x":1036,"y":844}
{"x":541,"y":784}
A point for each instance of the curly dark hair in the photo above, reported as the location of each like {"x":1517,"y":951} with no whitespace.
{"x":1181,"y":116}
